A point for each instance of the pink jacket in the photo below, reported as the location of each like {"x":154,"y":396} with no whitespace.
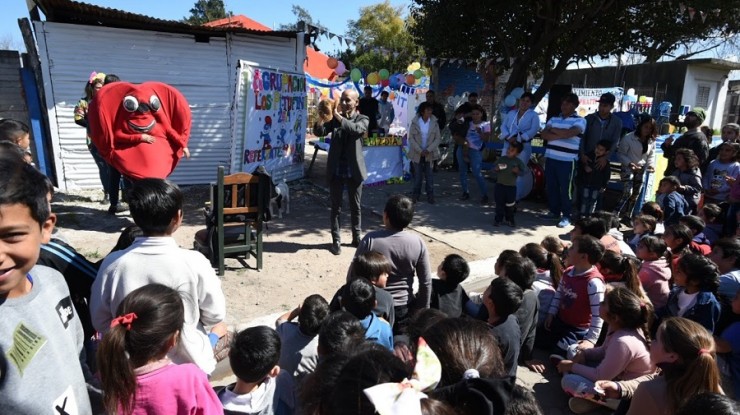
{"x":623,"y":356}
{"x":654,"y":276}
{"x":175,"y":389}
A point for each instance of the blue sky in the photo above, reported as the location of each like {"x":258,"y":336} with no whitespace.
{"x":333,"y":15}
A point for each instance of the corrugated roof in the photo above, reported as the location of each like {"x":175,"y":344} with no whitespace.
{"x":68,"y":11}
{"x":239,"y":20}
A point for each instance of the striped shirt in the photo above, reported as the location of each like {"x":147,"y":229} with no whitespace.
{"x":565,"y":149}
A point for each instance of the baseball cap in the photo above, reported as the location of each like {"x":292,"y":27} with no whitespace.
{"x":607,"y":98}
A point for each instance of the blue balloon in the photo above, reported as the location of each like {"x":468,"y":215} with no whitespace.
{"x":393,"y":82}
{"x":509,"y":101}
{"x":517,"y":92}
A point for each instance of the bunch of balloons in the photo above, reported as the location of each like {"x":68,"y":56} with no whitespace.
{"x":337,"y":65}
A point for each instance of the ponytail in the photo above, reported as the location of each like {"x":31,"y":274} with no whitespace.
{"x":556,"y":269}
{"x":149,"y":318}
{"x":633,"y":312}
{"x":696,"y":370}
{"x":630,"y":276}
{"x":116,"y":371}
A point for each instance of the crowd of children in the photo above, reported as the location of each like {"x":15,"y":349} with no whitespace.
{"x":640,"y":327}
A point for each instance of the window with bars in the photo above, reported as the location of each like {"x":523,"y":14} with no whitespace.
{"x":702,"y":95}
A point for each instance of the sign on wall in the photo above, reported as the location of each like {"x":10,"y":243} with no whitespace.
{"x":275,"y":122}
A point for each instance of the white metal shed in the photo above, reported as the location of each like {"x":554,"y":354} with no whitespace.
{"x":78,"y":38}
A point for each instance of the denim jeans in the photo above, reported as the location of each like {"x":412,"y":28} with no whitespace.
{"x":102,"y":167}
{"x":476,"y":158}
{"x":423,"y":169}
{"x":589,"y":198}
{"x":559,"y":177}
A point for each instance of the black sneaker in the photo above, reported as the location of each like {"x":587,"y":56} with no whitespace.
{"x":116,"y":209}
{"x":355,"y":242}
{"x":484,"y":200}
{"x":335,"y":248}
{"x":430,"y":199}
{"x":510,"y":223}
{"x":497,"y":223}
{"x":465,"y":196}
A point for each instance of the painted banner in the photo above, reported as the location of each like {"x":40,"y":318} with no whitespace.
{"x":275,"y":129}
{"x":588,"y":98}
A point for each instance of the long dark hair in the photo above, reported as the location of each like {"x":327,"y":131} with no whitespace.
{"x":633,"y":312}
{"x":625,"y":265}
{"x":159,"y":315}
{"x":651,"y":135}
{"x":544,"y":260}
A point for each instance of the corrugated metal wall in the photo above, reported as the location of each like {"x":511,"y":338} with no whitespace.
{"x":12,"y":100}
{"x":204,"y":72}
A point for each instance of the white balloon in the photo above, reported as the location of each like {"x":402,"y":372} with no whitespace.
{"x":631,"y":91}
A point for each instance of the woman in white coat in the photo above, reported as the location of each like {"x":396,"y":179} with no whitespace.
{"x":424,"y":139}
{"x":521,"y":125}
{"x":635,"y":153}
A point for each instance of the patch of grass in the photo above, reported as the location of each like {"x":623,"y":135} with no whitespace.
{"x":93,"y":255}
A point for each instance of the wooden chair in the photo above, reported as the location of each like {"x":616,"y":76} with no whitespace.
{"x":238,"y":198}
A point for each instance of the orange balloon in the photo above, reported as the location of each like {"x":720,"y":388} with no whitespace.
{"x":410,"y":79}
{"x":332,"y":63}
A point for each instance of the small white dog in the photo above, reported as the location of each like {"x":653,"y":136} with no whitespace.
{"x":281,"y":202}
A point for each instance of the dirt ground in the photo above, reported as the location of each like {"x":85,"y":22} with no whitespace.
{"x":297,"y":262}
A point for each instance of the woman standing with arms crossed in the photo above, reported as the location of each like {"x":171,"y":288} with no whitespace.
{"x":635,"y":152}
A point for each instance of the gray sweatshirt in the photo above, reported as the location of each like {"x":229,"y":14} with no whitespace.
{"x":40,"y":343}
{"x":409,"y":257}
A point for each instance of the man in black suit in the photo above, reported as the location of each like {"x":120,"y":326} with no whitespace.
{"x":345,"y":164}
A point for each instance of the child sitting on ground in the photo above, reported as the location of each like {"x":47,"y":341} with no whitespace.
{"x":156,"y":207}
{"x":696,"y":279}
{"x":594,"y":178}
{"x":137,"y":376}
{"x":448,"y":295}
{"x":41,"y":336}
{"x":374,"y":267}
{"x":642,"y":226}
{"x":502,"y":299}
{"x":573,"y":321}
{"x":508,"y":168}
{"x":547,"y":277}
{"x":729,"y":343}
{"x":655,"y":272}
{"x":622,"y":271}
{"x":678,"y":239}
{"x":673,"y":204}
{"x":261,"y":387}
{"x":623,"y":356}
{"x":711,"y":214}
{"x":17,"y":133}
{"x":699,"y":242}
{"x":685,"y":353}
{"x":653,"y":209}
{"x":522,"y":273}
{"x":299,"y":352}
{"x":360,"y":301}
{"x":726,"y":254}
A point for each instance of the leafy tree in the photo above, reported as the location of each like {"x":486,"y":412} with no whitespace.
{"x":383,"y":39}
{"x":301,"y":14}
{"x":542,"y":37}
{"x":205,"y":11}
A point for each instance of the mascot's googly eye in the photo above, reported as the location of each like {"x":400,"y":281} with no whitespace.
{"x":130,"y":103}
{"x":154,"y":103}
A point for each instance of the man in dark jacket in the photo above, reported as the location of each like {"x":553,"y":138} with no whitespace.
{"x":345,"y":165}
{"x":692,"y":139}
{"x":369,"y":106}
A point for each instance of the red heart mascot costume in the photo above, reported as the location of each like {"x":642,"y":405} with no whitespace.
{"x":140,"y":129}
